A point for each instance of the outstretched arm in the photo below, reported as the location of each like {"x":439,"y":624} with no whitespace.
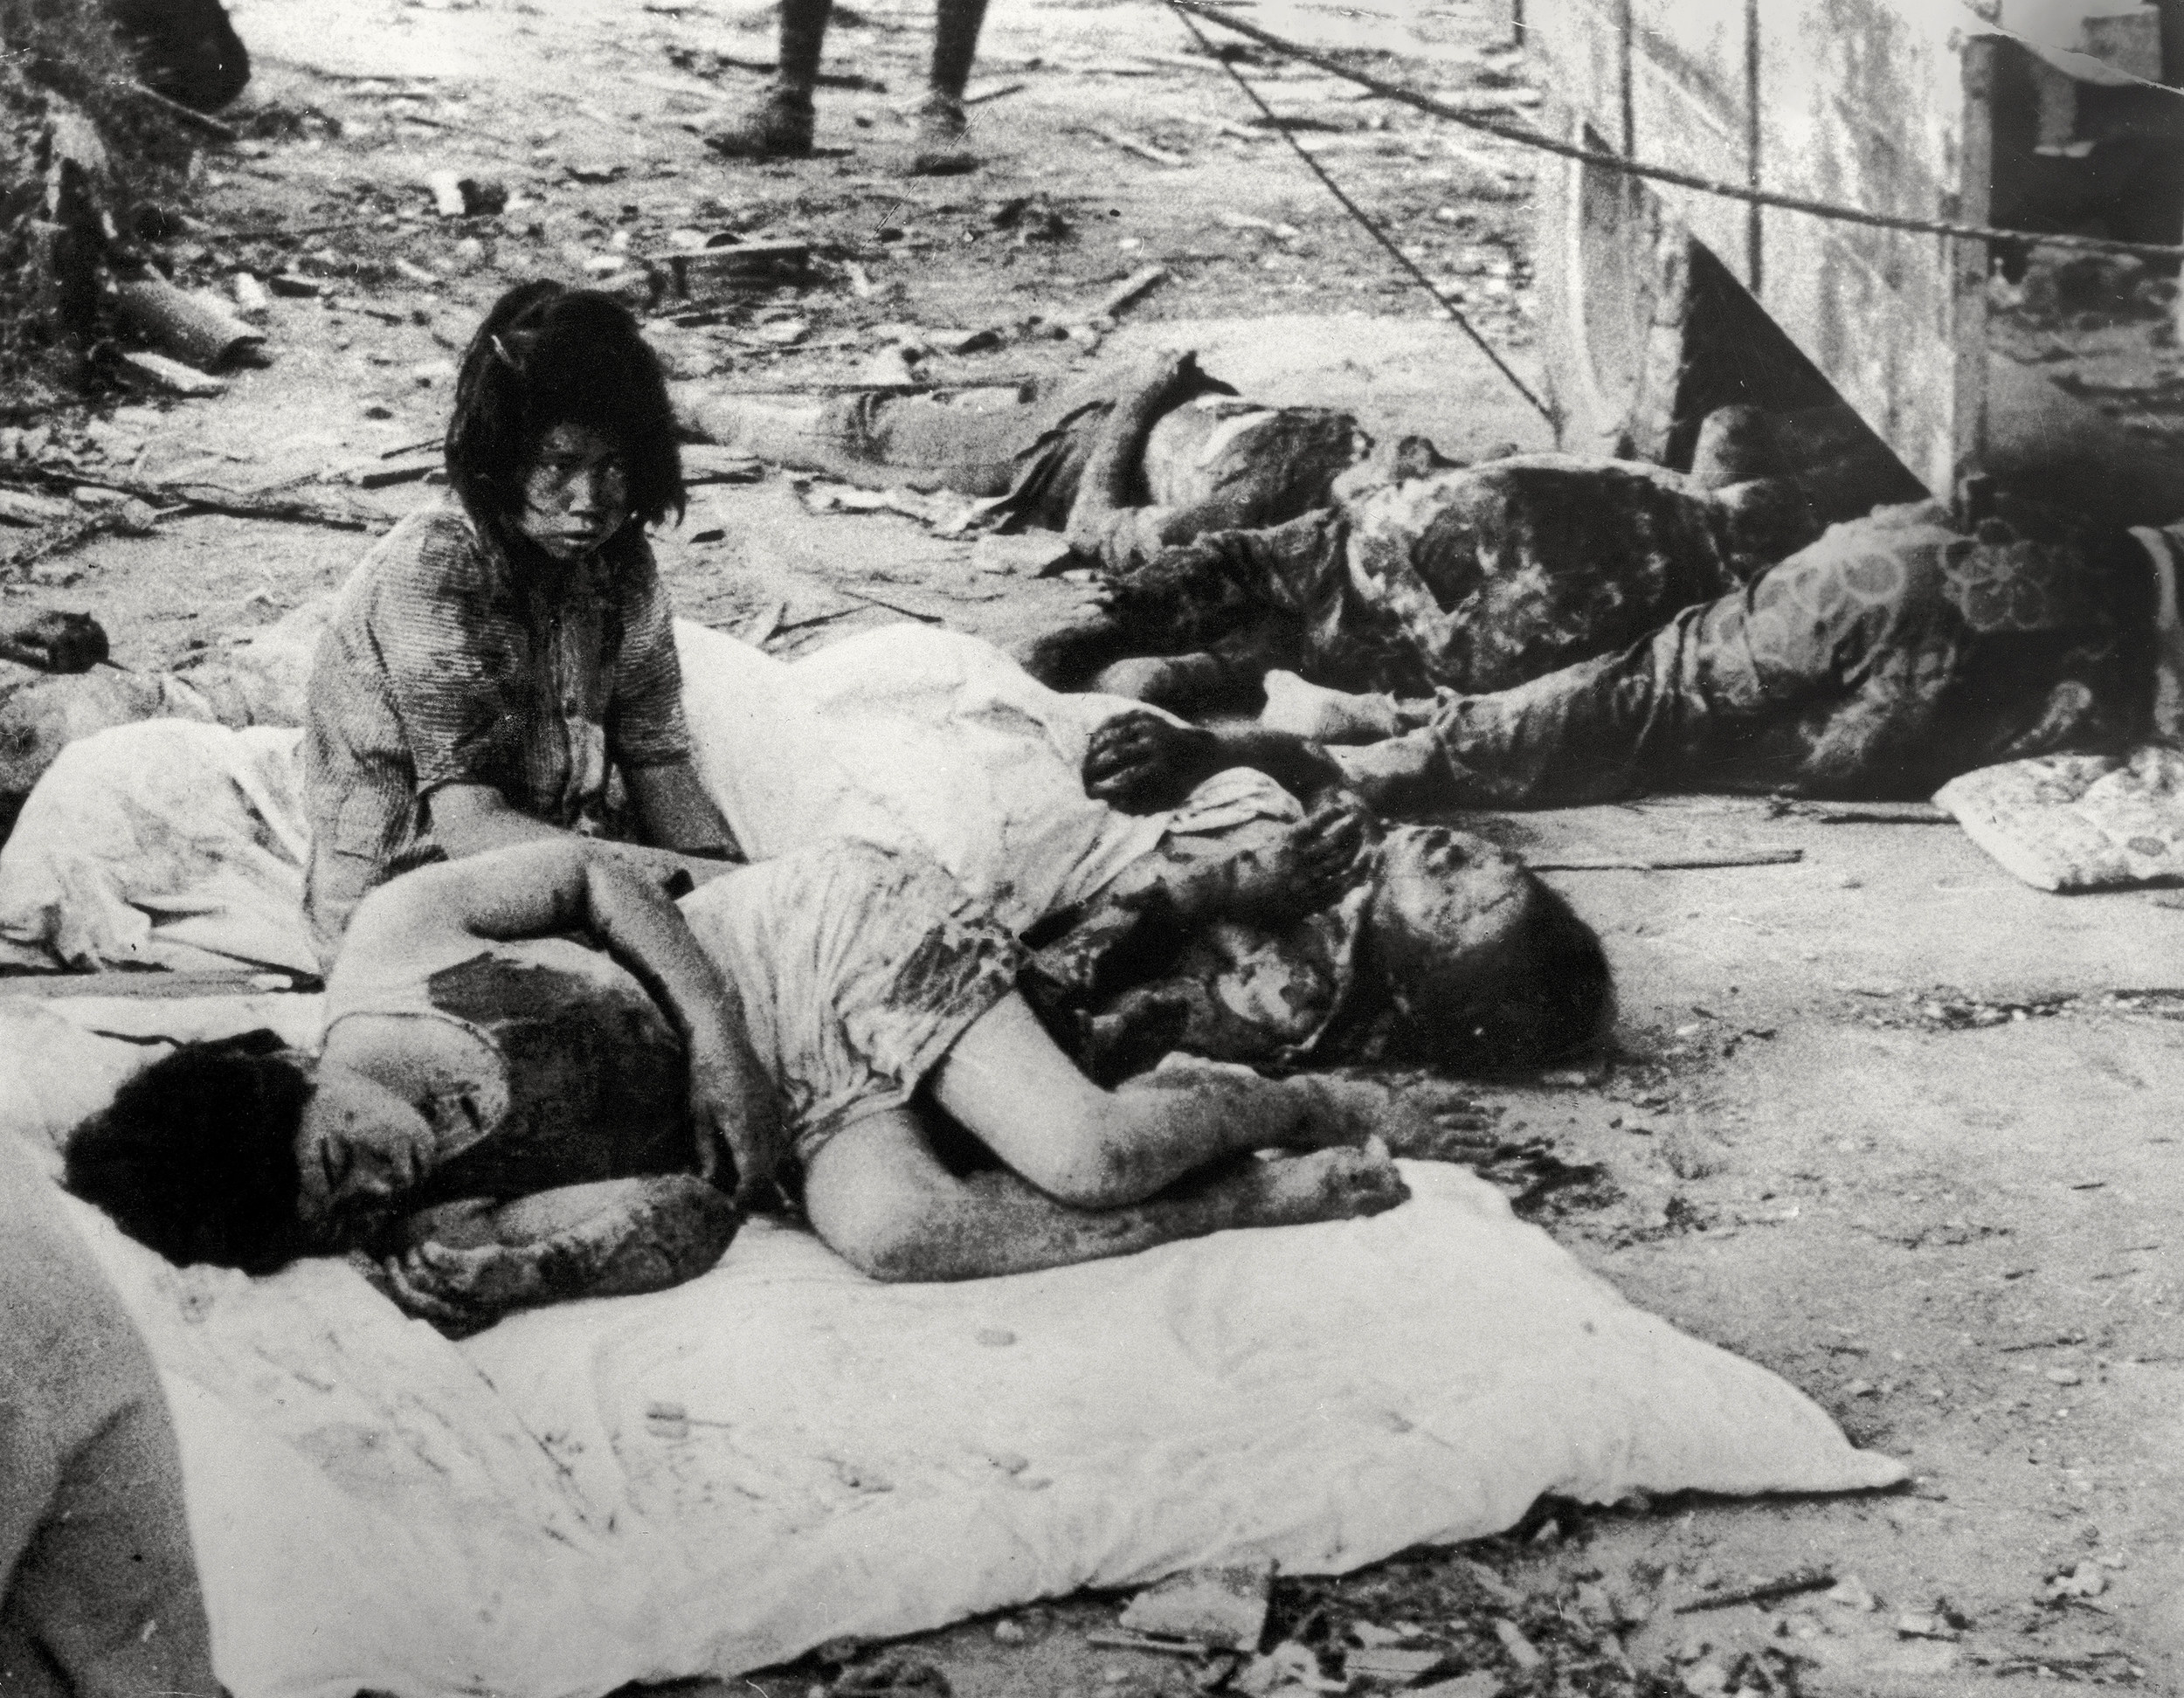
{"x":476,"y":819}
{"x":1103,"y":523}
{"x":462,"y":1266}
{"x":881,"y":1198}
{"x":1139,"y":763}
{"x":567,"y":884}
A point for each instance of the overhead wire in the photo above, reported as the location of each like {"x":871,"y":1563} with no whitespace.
{"x":1365,"y":220}
{"x":1523,"y":136}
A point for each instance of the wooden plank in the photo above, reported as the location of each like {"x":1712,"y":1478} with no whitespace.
{"x":1863,"y":102}
{"x":1865,"y":105}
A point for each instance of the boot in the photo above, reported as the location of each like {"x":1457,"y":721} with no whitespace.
{"x":939,"y":148}
{"x":779,"y":127}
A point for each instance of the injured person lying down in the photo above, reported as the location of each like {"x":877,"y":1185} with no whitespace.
{"x":500,"y":1117}
{"x":1137,"y":458}
{"x":1236,"y":536}
{"x":1421,"y":573}
{"x":1893,"y":654}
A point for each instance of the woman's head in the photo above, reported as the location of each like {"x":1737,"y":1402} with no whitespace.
{"x":197,"y":1155}
{"x":562,"y":430}
{"x":1483,"y":966}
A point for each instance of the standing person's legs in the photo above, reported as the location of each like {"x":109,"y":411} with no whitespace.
{"x":943,"y":126}
{"x":779,"y":127}
{"x":98,"y":1593}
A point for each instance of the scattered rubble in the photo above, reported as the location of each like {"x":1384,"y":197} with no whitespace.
{"x":1224,"y":1607}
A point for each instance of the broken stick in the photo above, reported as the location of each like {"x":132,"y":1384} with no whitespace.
{"x":1116,"y":138}
{"x":878,"y":601}
{"x":1804,"y":1580}
{"x":1682,"y":863}
{"x":1137,"y":283}
{"x":188,"y":117}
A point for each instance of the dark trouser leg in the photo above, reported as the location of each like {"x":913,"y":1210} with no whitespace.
{"x":803,"y":36}
{"x":1879,"y":662}
{"x":956,"y":44}
{"x":101,"y":1595}
{"x":780,"y":125}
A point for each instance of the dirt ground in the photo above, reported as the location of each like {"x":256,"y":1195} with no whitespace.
{"x":1880,"y":1118}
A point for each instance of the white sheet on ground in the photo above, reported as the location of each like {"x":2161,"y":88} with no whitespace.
{"x":180,"y":845}
{"x":169,"y":843}
{"x":718,"y":1477}
{"x":910,"y":736}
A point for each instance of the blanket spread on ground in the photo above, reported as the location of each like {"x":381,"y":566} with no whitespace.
{"x":716,"y":1478}
{"x":177,"y":844}
{"x":2077,"y":822}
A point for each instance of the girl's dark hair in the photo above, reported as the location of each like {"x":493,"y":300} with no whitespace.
{"x":1551,"y":994}
{"x":197,"y":1155}
{"x":1559,"y":994}
{"x":545,"y":355}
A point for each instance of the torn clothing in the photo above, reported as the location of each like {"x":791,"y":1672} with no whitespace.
{"x":447,"y":662}
{"x":564,"y":1071}
{"x":98,"y":1595}
{"x":859,"y":968}
{"x":1883,"y":660}
{"x":1124,"y":980}
{"x":1470,"y":578}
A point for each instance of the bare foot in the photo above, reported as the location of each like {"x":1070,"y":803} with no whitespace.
{"x":1435,"y":1124}
{"x":1140,"y":762}
{"x":1141,"y":678}
{"x":1328,"y":1184}
{"x":1322,"y":715}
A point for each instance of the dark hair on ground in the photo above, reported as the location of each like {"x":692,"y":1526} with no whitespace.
{"x":1551,"y":995}
{"x":1559,"y":996}
{"x":196,"y":1157}
{"x":547,"y":355}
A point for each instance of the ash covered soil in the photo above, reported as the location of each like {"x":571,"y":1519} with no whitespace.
{"x":1880,"y":1118}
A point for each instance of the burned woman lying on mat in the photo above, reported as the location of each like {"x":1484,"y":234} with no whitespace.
{"x":500,"y":1117}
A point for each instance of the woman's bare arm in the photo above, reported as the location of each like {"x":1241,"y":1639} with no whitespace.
{"x":462,"y":1266}
{"x":476,"y":819}
{"x":566,"y":884}
{"x":677,"y":813}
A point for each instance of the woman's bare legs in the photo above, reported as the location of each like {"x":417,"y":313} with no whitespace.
{"x":877,"y":1194}
{"x":1007,"y":1082}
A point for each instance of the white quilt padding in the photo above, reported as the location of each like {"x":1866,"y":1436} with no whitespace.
{"x":169,"y":843}
{"x":175,"y":844}
{"x":911,"y":737}
{"x":375,"y":1506}
{"x":2077,"y":822}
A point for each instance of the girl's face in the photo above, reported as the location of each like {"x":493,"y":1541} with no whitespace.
{"x":361,"y":1149}
{"x":576,"y":495}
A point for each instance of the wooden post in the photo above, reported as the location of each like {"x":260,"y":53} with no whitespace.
{"x":1964,"y":305}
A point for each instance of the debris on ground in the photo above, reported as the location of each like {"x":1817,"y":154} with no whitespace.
{"x":1224,"y":1606}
